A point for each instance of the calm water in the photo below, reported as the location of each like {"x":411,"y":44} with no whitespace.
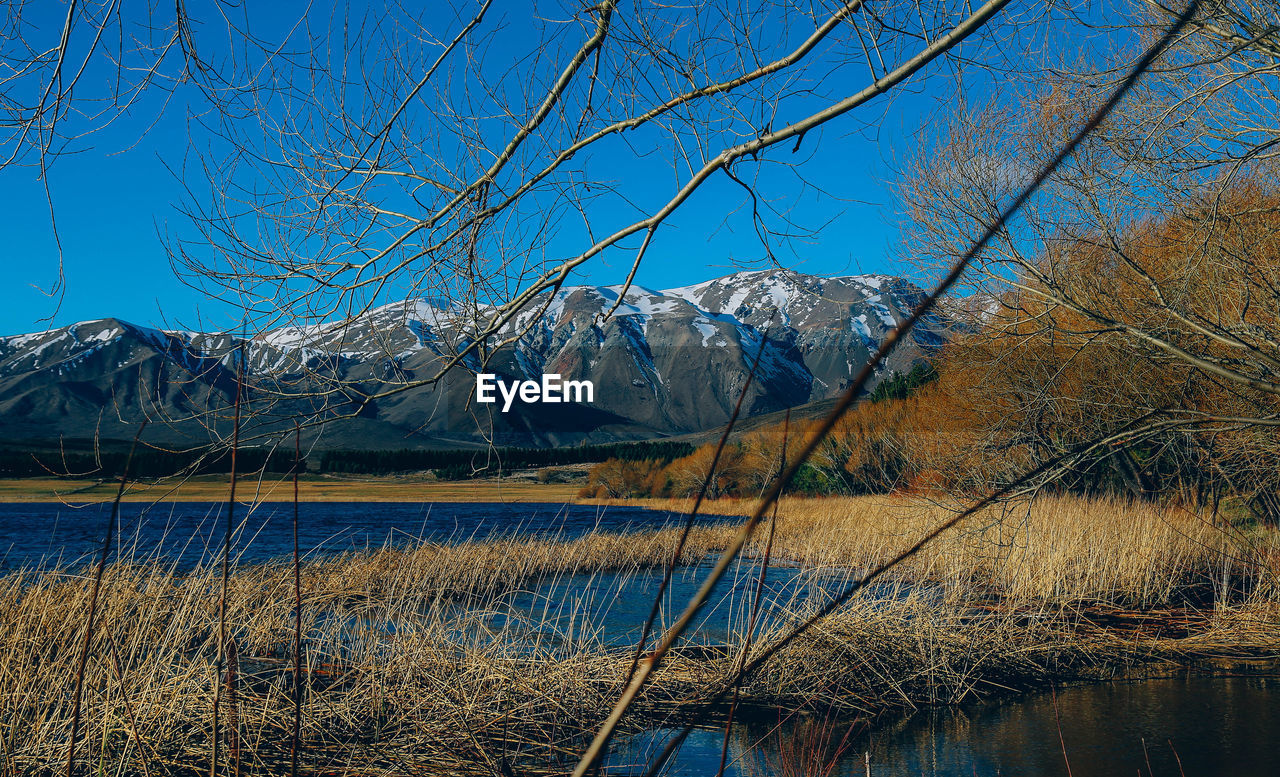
{"x":609,"y":608}
{"x":49,"y":534}
{"x":1198,"y":726}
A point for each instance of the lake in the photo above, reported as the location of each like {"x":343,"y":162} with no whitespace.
{"x":1192,"y":725}
{"x":45,"y":535}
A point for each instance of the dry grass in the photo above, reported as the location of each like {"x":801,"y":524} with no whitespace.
{"x":404,"y":659}
{"x":1057,"y":549}
{"x":279,"y":488}
{"x":408,"y":668}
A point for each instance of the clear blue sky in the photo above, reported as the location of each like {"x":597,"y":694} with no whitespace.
{"x":114,"y":197}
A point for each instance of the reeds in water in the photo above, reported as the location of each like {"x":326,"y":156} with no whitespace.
{"x":424,"y":656}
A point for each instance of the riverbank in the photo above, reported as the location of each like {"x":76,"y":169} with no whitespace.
{"x":279,"y":488}
{"x":465,"y":657}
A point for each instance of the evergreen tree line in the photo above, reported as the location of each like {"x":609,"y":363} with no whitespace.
{"x":902,"y":385}
{"x":461,"y":464}
{"x":448,"y":464}
{"x":146,"y":463}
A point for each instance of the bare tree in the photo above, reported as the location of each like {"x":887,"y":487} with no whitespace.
{"x":1143,"y":279}
{"x":485,"y":167}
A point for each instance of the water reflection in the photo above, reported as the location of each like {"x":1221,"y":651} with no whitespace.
{"x":1191,"y":725}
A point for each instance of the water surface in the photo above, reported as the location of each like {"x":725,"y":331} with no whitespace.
{"x":44,"y":535}
{"x":609,"y":608}
{"x":1193,"y":725}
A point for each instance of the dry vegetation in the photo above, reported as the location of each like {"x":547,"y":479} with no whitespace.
{"x":1053,"y":550}
{"x":1132,"y":303}
{"x":408,"y":665}
{"x":273,"y":488}
{"x":1145,"y":359}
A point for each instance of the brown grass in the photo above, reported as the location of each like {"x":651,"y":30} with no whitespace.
{"x":397,"y":666}
{"x":1057,"y":549}
{"x":406,"y":666}
{"x":279,"y":488}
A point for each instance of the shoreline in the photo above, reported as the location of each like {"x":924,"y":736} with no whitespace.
{"x":279,"y":488}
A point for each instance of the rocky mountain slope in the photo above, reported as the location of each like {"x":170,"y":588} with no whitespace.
{"x":664,"y":363}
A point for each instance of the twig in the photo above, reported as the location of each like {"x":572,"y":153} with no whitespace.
{"x":226,"y":559}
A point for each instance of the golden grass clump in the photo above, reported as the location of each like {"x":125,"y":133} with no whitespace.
{"x":1055,"y":549}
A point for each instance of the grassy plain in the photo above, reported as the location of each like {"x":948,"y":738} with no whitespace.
{"x":274,"y":488}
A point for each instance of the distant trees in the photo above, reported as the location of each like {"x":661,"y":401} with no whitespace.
{"x":901,"y":386}
{"x":458,"y":464}
{"x":84,"y":460}
{"x":618,"y":479}
{"x":146,"y":463}
{"x":866,"y":453}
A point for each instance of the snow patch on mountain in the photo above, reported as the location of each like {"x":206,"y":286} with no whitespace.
{"x":665,"y":361}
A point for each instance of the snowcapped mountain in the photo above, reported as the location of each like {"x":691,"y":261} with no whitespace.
{"x":663,"y":363}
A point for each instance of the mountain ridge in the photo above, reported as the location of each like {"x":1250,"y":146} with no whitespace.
{"x":666,"y":362}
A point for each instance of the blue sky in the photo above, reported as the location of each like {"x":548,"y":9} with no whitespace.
{"x":115,"y":196}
